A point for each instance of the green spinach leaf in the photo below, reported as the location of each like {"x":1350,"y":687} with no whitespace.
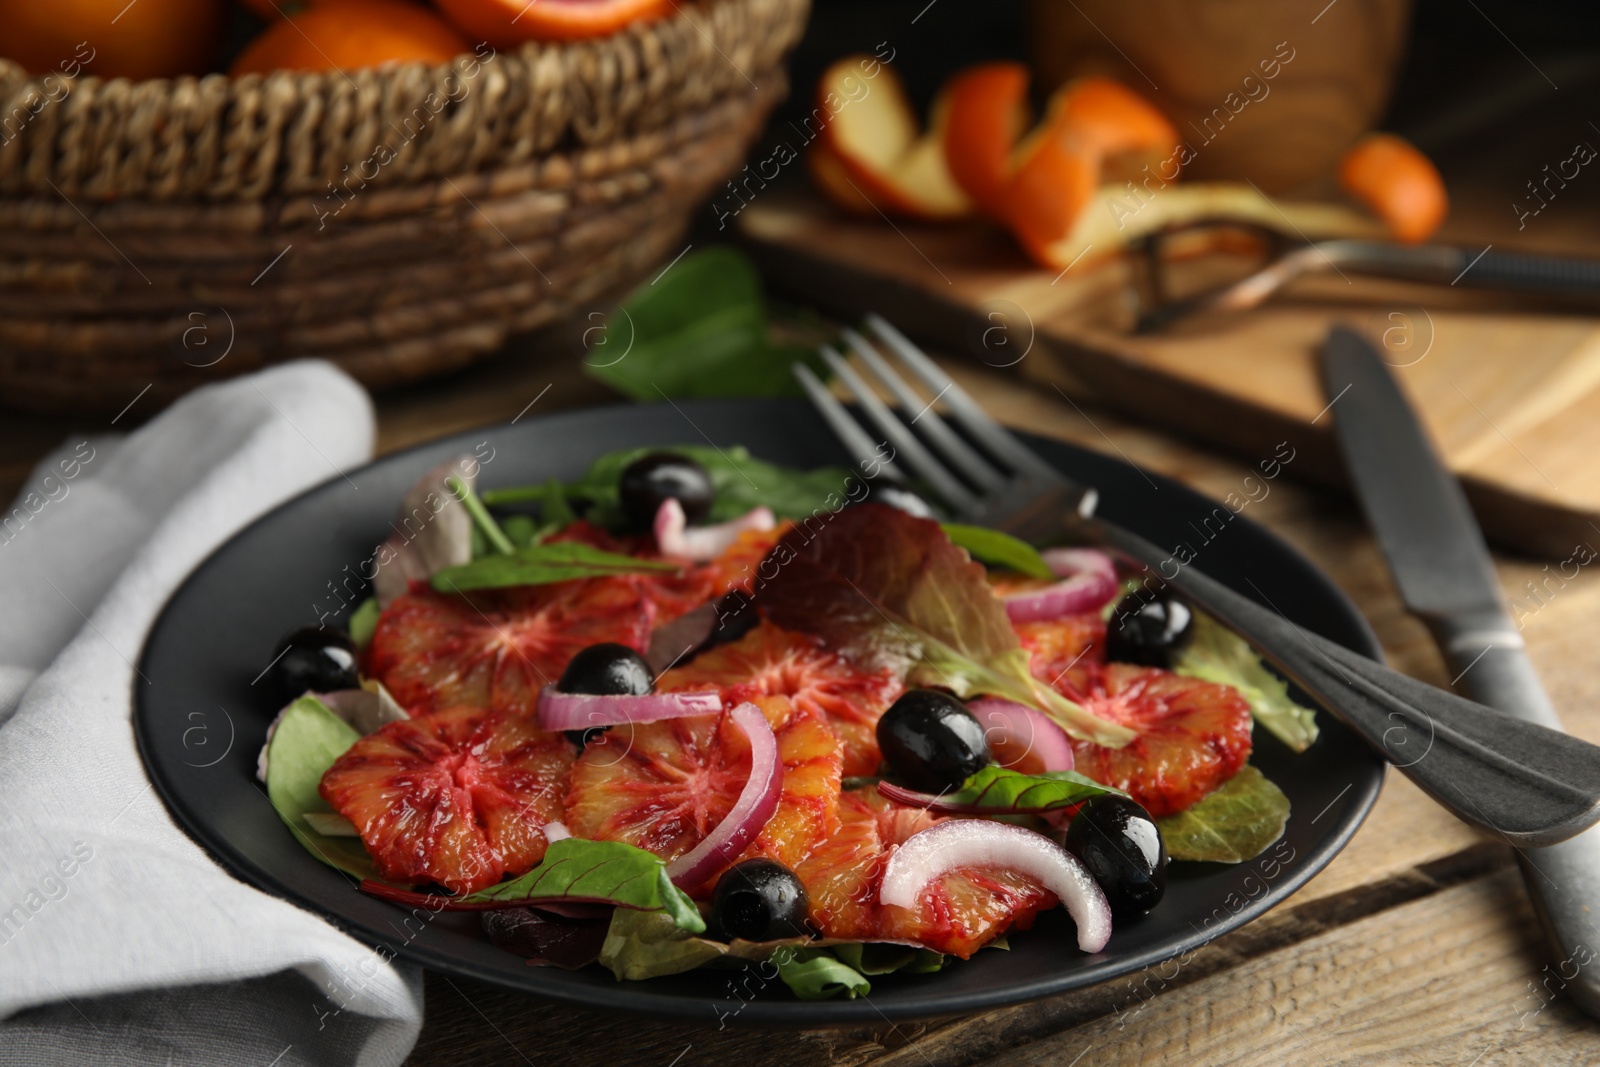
{"x":606,"y":871}
{"x":540,"y":563}
{"x":364,"y":621}
{"x":998,"y":790}
{"x":992,"y":546}
{"x":741,"y":482}
{"x":697,"y":330}
{"x":305,"y":742}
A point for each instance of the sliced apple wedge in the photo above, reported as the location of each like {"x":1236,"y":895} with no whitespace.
{"x":829,"y":175}
{"x":881,"y":151}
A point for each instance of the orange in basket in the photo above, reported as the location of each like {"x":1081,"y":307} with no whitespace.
{"x":111,"y":38}
{"x":350,"y":35}
{"x":508,"y":23}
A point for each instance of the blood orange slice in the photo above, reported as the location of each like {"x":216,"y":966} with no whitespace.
{"x":1193,"y":735}
{"x":1059,"y":648}
{"x":663,"y":786}
{"x":1055,"y":646}
{"x":740,"y":565}
{"x":459,"y":796}
{"x":957,"y":914}
{"x":769,"y":661}
{"x":496,"y":649}
{"x":671,"y":594}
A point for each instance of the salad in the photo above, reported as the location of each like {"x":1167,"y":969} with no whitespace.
{"x":695,"y":710}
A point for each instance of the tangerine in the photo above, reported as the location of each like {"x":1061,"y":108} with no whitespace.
{"x":112,"y":38}
{"x":350,"y":35}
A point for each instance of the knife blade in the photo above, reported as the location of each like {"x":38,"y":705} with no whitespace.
{"x":1441,"y":565}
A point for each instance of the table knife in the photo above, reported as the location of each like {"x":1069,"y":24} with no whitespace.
{"x":1441,"y":565}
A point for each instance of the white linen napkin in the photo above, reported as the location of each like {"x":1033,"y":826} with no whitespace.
{"x":121,"y":941}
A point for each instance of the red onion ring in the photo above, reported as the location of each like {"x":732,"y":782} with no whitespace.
{"x":750,"y":813}
{"x":675,"y":537}
{"x":581,"y":711}
{"x":1016,"y":723}
{"x":956,"y":843}
{"x":1090,"y":579}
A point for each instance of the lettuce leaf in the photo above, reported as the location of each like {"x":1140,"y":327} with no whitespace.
{"x":1217,"y":654}
{"x":891,"y":590}
{"x":992,"y":546}
{"x":1236,"y":822}
{"x":604,"y":871}
{"x":538,"y":564}
{"x":870,"y":957}
{"x":649,"y":944}
{"x":817,"y":974}
{"x":643,"y":944}
{"x":996,"y":789}
{"x":306,"y":740}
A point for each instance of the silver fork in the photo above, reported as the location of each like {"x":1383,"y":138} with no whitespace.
{"x":1533,"y":785}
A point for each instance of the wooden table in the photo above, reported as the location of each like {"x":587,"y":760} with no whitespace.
{"x":1415,"y":946}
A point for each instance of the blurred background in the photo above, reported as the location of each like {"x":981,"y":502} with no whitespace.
{"x":157,"y":234}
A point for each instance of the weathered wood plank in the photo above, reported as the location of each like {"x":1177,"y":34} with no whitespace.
{"x":1448,"y":979}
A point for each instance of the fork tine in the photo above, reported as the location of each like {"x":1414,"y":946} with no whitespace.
{"x":906,"y":444}
{"x":862,"y":448}
{"x":960,"y":454}
{"x":963,"y":409}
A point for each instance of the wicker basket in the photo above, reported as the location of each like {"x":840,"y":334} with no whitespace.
{"x":147,"y":228}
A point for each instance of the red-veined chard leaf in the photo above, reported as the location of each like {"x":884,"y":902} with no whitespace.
{"x":998,"y":791}
{"x":891,"y":590}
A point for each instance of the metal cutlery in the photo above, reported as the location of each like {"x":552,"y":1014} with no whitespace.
{"x":1532,"y":784}
{"x":1289,"y":257}
{"x":1439,"y":561}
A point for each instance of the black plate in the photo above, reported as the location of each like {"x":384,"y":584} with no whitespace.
{"x":200,"y":723}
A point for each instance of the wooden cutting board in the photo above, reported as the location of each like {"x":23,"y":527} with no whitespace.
{"x":1510,"y":393}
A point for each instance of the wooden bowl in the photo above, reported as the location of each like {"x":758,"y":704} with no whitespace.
{"x":1260,"y":90}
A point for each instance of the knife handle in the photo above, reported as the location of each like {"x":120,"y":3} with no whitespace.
{"x":1486,"y":656}
{"x":1563,"y":880}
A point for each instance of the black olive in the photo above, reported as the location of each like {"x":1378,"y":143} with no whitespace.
{"x":605,"y":670}
{"x":649,"y":480}
{"x":322,"y":661}
{"x":1118,"y":842}
{"x":759,"y":900}
{"x":932,"y":741}
{"x":1148,"y":629}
